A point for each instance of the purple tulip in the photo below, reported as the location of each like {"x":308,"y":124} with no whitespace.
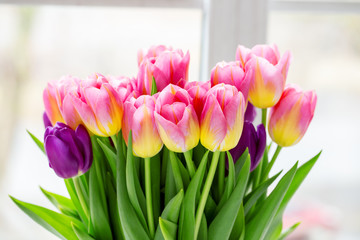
{"x":254,"y":140}
{"x":250,"y":112}
{"x":46,"y":120}
{"x":69,"y":152}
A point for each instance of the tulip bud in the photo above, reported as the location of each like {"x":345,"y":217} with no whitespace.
{"x":291,"y":116}
{"x":254,"y":140}
{"x":270,"y":72}
{"x":222,"y":118}
{"x":69,"y":152}
{"x":139,"y":117}
{"x":176,"y":119}
{"x":231,"y":73}
{"x":99,"y":106}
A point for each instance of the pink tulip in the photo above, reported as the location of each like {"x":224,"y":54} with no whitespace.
{"x":176,"y":119}
{"x":153,"y":52}
{"x":291,"y":116}
{"x":231,"y":73}
{"x":197,"y":91}
{"x":168,"y":67}
{"x":58,"y":106}
{"x":139,"y":117}
{"x":222,"y":118}
{"x":99,"y":106}
{"x":270,"y":72}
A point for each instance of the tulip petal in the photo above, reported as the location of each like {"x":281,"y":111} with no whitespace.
{"x":170,"y":134}
{"x":85,"y":142}
{"x":213,"y":124}
{"x":60,"y":157}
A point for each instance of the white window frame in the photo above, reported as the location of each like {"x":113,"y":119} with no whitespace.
{"x":225,"y":23}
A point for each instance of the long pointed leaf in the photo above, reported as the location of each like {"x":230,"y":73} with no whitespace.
{"x":37,"y":141}
{"x":57,"y":223}
{"x":65,"y":205}
{"x":222,"y":225}
{"x":267,"y":210}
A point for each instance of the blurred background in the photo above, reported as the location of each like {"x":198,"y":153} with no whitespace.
{"x":41,"y":43}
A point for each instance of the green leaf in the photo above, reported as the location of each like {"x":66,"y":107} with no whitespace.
{"x":69,"y":183}
{"x":230,"y":182}
{"x":155,"y":187}
{"x":135,"y":192}
{"x":132,"y":227}
{"x":110,"y":156}
{"x":187,"y":214}
{"x":171,"y":212}
{"x":238,"y":231}
{"x":299,"y":177}
{"x":176,"y":171}
{"x":170,"y":186}
{"x":240,"y":162}
{"x":37,"y":141}
{"x":252,"y":197}
{"x":222,"y":225}
{"x":289,"y":231}
{"x":57,"y":223}
{"x":267,"y":210}
{"x":153,"y":87}
{"x":113,"y":213}
{"x":81,"y":234}
{"x":168,"y":229}
{"x":203,"y":230}
{"x":98,"y":211}
{"x":65,"y":205}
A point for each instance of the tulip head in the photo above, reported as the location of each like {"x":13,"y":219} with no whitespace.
{"x":69,"y":152}
{"x":231,"y":73}
{"x":222,"y":118}
{"x":139,"y":117}
{"x":99,"y":106}
{"x":58,"y":105}
{"x":252,"y":139}
{"x":269,"y":73}
{"x":176,"y":119}
{"x":291,"y":116}
{"x":46,"y":120}
{"x":171,"y":67}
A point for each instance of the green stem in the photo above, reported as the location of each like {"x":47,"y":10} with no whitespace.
{"x":259,"y":170}
{"x":189,"y":163}
{"x":148,"y":195}
{"x":263,"y":116}
{"x":271,"y":163}
{"x":81,"y":197}
{"x":221,"y":174}
{"x":205,"y":192}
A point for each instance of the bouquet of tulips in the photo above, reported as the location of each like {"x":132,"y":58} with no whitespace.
{"x":161,"y":157}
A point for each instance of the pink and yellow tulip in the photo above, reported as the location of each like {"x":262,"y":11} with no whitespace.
{"x":270,"y":72}
{"x":139,"y":117}
{"x":58,"y":106}
{"x":222,"y":118}
{"x":231,"y":73}
{"x":291,"y":116}
{"x":99,"y":106}
{"x":176,"y":119}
